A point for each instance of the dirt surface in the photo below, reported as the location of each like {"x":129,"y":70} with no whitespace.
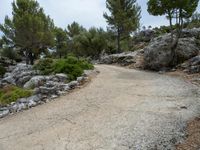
{"x":121,"y":109}
{"x":192,"y":141}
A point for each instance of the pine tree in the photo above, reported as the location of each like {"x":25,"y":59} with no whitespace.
{"x":29,"y":29}
{"x":61,"y":40}
{"x":124,"y":18}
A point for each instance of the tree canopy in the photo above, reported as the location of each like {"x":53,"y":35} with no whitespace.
{"x":124,"y":17}
{"x":30,"y":29}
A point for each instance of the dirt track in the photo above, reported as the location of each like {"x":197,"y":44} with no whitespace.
{"x":120,"y":109}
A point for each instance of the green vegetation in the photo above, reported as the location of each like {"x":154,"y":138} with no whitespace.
{"x":12,"y":93}
{"x":71,"y":66}
{"x":45,"y":66}
{"x":124,"y":18}
{"x":194,"y":21}
{"x":179,"y":10}
{"x":2,"y":71}
{"x":30,"y":33}
{"x":29,"y":29}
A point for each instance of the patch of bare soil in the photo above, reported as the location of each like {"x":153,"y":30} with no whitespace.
{"x":193,"y":139}
{"x":193,"y":78}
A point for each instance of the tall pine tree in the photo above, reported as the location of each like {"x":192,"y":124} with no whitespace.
{"x":123,"y":19}
{"x":29,"y":30}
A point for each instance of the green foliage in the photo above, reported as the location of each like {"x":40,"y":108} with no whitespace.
{"x":45,"y":66}
{"x":74,"y":29}
{"x":10,"y":53}
{"x":61,"y":42}
{"x":194,"y":21}
{"x":124,"y":18}
{"x":90,"y":43}
{"x":30,"y":29}
{"x":2,"y":71}
{"x":12,"y":93}
{"x":71,"y":66}
{"x":176,"y":9}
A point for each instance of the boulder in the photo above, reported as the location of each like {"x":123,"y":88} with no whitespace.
{"x":195,"y":32}
{"x":9,"y":80}
{"x":31,"y":103}
{"x":73,"y":84}
{"x":35,"y":98}
{"x":34,"y":82}
{"x":4,"y":112}
{"x":47,"y":91}
{"x":187,"y":48}
{"x":80,"y":79}
{"x":192,"y":65}
{"x":158,"y":54}
{"x":62,"y":77}
{"x":124,"y":59}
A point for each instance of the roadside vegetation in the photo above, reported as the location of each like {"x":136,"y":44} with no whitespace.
{"x":70,"y":65}
{"x":10,"y":94}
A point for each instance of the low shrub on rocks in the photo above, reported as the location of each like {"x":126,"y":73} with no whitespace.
{"x":10,"y":94}
{"x":45,"y":66}
{"x":71,"y":66}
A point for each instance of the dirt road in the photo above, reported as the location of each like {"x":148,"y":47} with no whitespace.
{"x":120,"y":109}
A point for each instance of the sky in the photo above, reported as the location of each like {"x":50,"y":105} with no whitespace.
{"x":89,"y":13}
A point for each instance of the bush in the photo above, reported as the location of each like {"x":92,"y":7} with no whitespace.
{"x":71,"y":66}
{"x":12,"y":93}
{"x":45,"y":66}
{"x":2,"y":71}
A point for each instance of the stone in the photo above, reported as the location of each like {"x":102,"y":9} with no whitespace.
{"x":192,"y":65}
{"x":21,"y":106}
{"x":48,"y":91}
{"x":80,"y":79}
{"x":7,"y":75}
{"x":9,"y":80}
{"x":4,"y":113}
{"x":187,"y":48}
{"x":134,"y":59}
{"x":31,"y":103}
{"x":62,"y":77}
{"x":73,"y":84}
{"x":35,"y":98}
{"x":158,"y":54}
{"x":34,"y":82}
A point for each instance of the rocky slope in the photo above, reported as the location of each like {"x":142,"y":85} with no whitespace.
{"x":45,"y":88}
{"x":158,"y":54}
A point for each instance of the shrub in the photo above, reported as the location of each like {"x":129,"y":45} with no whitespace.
{"x":12,"y":93}
{"x":71,"y":66}
{"x":85,"y":65}
{"x":68,"y":66}
{"x":45,"y":66}
{"x":2,"y":71}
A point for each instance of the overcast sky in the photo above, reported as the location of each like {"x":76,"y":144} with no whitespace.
{"x":86,"y":12}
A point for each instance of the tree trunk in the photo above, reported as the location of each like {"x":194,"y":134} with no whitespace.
{"x":118,"y":40}
{"x":27,"y":58}
{"x":171,"y":25}
{"x":31,"y":58}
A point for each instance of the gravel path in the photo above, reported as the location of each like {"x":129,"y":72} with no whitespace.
{"x":120,"y":109}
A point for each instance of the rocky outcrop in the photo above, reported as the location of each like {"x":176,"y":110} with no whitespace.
{"x":19,"y":74}
{"x":6,"y":62}
{"x":124,"y":59}
{"x":192,"y":65}
{"x":158,"y":55}
{"x":45,"y":88}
